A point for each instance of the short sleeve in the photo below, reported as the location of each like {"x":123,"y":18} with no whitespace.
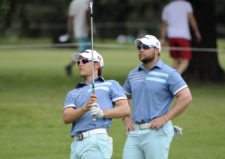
{"x":69,"y":101}
{"x":117,"y":92}
{"x":72,"y":8}
{"x":164,"y":14}
{"x":127,"y":87}
{"x":176,"y":82}
{"x":189,"y":7}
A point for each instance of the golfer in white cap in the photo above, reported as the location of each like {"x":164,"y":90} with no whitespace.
{"x":152,"y":86}
{"x":91,"y":139}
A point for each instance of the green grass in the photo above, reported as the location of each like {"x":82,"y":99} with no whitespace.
{"x":33,"y":86}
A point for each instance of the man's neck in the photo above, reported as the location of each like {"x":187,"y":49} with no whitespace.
{"x":89,"y":79}
{"x":151,"y":64}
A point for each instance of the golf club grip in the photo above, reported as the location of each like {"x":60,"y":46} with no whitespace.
{"x":93,"y":88}
{"x":91,"y":8}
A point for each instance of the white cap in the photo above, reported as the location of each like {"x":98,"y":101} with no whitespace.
{"x":88,"y":54}
{"x":149,"y":40}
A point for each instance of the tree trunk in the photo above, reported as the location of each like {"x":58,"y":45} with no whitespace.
{"x":204,"y":65}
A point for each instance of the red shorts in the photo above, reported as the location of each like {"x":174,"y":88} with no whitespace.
{"x":183,"y":43}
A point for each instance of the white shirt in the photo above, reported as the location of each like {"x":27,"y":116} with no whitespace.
{"x":176,"y":16}
{"x":78,"y":9}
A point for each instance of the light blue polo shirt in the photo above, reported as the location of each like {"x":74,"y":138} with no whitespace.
{"x":107,"y":92}
{"x":152,"y":90}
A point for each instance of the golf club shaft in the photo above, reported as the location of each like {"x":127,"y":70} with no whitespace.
{"x":92,"y":48}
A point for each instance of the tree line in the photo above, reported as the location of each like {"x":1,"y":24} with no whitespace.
{"x":48,"y":18}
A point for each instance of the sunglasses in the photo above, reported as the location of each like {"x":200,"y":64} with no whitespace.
{"x":84,"y":61}
{"x":143,"y":46}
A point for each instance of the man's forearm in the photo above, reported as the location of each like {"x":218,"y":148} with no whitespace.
{"x":121,"y":109}
{"x":70,"y":25}
{"x":183,"y":99}
{"x":71,"y":114}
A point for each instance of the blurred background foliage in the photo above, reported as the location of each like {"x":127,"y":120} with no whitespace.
{"x":41,"y":18}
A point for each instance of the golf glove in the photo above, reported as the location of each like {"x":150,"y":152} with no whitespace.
{"x":96,"y":111}
{"x":177,"y":131}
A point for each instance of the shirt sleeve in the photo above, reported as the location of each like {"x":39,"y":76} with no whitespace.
{"x":176,"y":83}
{"x":76,"y":7}
{"x":117,"y":92}
{"x":69,"y":102}
{"x":189,"y":8}
{"x":72,"y":8}
{"x":127,"y":86}
{"x":163,"y":16}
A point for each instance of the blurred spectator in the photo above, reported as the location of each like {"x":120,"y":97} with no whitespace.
{"x":175,"y":24}
{"x":78,"y":25}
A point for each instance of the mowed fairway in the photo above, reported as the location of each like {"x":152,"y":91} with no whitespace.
{"x":33,"y":86}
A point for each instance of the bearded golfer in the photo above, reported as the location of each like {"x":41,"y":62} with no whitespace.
{"x":152,"y":86}
{"x":91,"y":114}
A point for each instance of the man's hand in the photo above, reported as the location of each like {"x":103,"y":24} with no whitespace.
{"x":96,"y":111}
{"x":158,"y":122}
{"x":128,"y":124}
{"x":92,"y":100}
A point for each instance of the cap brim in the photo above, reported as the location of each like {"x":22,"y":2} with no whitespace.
{"x":142,"y":40}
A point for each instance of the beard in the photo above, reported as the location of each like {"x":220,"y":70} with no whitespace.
{"x":148,"y":59}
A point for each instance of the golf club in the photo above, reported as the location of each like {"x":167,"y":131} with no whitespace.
{"x":92,"y":47}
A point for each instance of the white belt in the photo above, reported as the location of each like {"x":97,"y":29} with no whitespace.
{"x":85,"y":134}
{"x":142,"y":126}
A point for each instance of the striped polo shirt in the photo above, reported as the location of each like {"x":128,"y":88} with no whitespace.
{"x":107,"y":93}
{"x":152,"y":90}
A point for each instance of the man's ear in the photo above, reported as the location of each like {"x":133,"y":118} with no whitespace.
{"x":157,"y":51}
{"x":97,"y":64}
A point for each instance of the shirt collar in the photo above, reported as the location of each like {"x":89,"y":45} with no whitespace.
{"x":98,"y":79}
{"x":159,"y":64}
